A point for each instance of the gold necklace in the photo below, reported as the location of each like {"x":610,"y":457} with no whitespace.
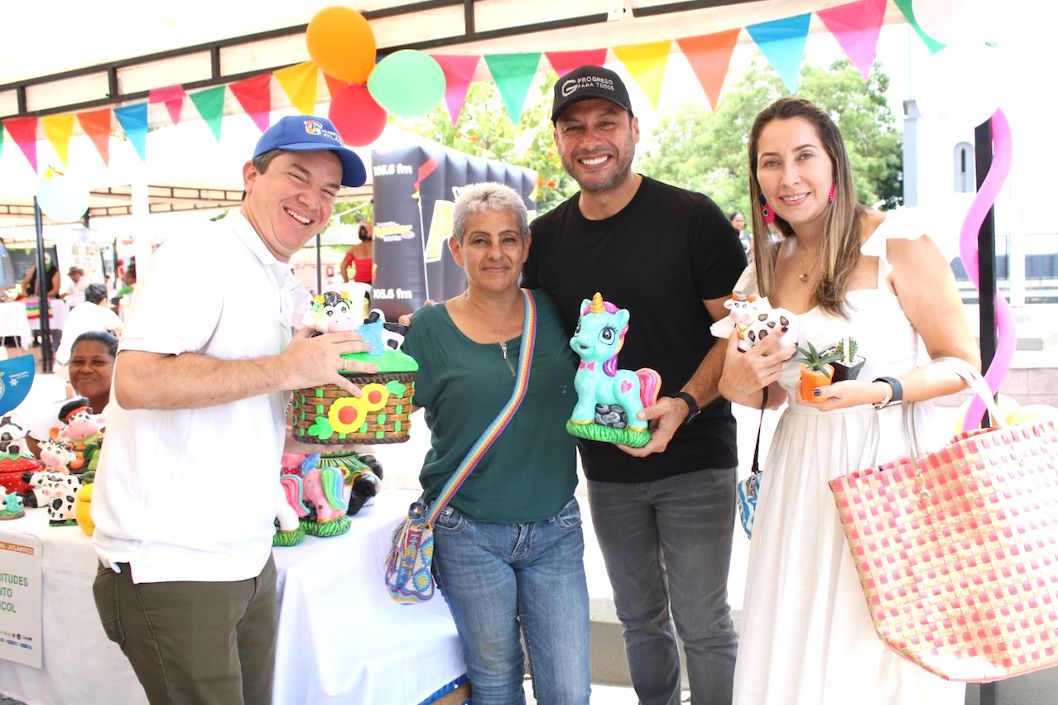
{"x":805,"y":273}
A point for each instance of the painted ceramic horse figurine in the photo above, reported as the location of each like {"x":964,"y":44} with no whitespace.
{"x":608,"y":398}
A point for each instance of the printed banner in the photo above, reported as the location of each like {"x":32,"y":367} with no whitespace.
{"x":20,"y":598}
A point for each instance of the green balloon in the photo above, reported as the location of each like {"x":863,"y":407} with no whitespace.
{"x":407,"y":83}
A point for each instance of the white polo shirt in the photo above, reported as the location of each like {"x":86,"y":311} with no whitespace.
{"x":189,"y":494}
{"x":83,"y":319}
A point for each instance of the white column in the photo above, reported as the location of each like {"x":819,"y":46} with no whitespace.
{"x":142,"y":233}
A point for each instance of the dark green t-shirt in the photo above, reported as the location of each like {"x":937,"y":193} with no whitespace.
{"x":530,"y":472}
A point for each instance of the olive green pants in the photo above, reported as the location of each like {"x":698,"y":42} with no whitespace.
{"x":194,"y":643}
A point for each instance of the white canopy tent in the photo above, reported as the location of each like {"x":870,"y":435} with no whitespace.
{"x":113,"y":53}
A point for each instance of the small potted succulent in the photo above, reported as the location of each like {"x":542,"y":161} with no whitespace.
{"x":849,"y":362}
{"x":817,"y":370}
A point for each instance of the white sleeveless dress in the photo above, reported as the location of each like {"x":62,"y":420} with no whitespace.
{"x":807,"y":637}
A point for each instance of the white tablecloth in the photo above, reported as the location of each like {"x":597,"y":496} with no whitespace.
{"x":341,"y":638}
{"x":13,"y":320}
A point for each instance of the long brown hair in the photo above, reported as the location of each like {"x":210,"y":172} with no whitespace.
{"x":842,"y":227}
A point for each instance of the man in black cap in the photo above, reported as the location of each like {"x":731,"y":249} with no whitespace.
{"x":185,"y":498}
{"x":663,"y":513}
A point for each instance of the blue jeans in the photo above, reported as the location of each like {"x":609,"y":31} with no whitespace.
{"x":667,"y":544}
{"x":502,"y":578}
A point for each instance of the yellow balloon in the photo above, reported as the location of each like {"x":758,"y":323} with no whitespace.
{"x":1031,"y":413}
{"x":342,"y":44}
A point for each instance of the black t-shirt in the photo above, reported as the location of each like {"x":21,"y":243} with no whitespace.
{"x":660,"y":257}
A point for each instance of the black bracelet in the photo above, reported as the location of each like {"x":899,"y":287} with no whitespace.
{"x":897,"y":395}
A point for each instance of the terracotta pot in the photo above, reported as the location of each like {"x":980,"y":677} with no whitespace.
{"x":810,"y":379}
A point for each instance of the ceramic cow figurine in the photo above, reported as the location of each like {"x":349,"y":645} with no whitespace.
{"x":755,"y":319}
{"x":57,"y":492}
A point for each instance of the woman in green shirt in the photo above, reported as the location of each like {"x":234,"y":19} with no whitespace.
{"x":508,"y":549}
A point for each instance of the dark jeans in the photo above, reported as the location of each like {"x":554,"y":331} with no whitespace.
{"x":194,"y":643}
{"x":667,"y":545}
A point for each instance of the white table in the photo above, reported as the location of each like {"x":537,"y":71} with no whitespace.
{"x":57,"y":312}
{"x":14,"y":322}
{"x":341,"y":638}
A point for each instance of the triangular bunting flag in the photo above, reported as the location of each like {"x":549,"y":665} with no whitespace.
{"x":24,"y":132}
{"x":783,"y":44}
{"x":513,"y":74}
{"x":646,"y":63}
{"x":856,"y":27}
{"x":565,"y":61}
{"x":299,"y":83}
{"x":709,"y":56}
{"x":905,"y":7}
{"x":58,"y":128}
{"x":334,"y":85}
{"x":459,"y":72}
{"x":1,"y":139}
{"x":96,"y":124}
{"x":210,"y":105}
{"x":133,"y":119}
{"x":172,"y":96}
{"x":255,"y":96}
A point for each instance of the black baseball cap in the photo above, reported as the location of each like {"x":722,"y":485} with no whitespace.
{"x":589,"y":82}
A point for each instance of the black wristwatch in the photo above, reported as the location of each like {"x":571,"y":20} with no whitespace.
{"x":692,"y":406}
{"x":896,"y":396}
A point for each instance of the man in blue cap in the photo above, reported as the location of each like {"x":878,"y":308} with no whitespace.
{"x":185,"y":498}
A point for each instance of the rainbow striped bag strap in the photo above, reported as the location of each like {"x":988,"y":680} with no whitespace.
{"x":492,"y":432}
{"x":408,"y":574}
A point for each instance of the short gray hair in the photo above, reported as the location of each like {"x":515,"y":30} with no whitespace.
{"x":487,"y":195}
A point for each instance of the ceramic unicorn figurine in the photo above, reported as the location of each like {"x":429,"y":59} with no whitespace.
{"x":608,"y":399}
{"x":319,"y":496}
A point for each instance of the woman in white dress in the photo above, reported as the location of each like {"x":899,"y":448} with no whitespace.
{"x":846,"y":270}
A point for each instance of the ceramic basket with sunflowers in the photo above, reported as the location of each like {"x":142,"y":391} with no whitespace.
{"x":329,"y":414}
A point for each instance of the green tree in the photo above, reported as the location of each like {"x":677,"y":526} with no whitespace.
{"x":485,"y":130}
{"x":706,"y":151}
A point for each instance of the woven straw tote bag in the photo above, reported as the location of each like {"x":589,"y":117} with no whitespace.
{"x":957,"y":550}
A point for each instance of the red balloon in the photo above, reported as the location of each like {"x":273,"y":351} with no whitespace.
{"x":342,"y":44}
{"x":359,"y":119}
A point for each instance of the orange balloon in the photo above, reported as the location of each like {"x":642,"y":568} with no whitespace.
{"x":342,"y":44}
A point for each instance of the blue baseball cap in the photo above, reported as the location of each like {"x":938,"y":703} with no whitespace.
{"x":309,"y":133}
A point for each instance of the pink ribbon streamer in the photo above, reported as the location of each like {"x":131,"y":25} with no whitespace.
{"x":968,"y":250}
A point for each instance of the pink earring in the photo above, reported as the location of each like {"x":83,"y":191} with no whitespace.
{"x":833,"y":193}
{"x":767,"y":213}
